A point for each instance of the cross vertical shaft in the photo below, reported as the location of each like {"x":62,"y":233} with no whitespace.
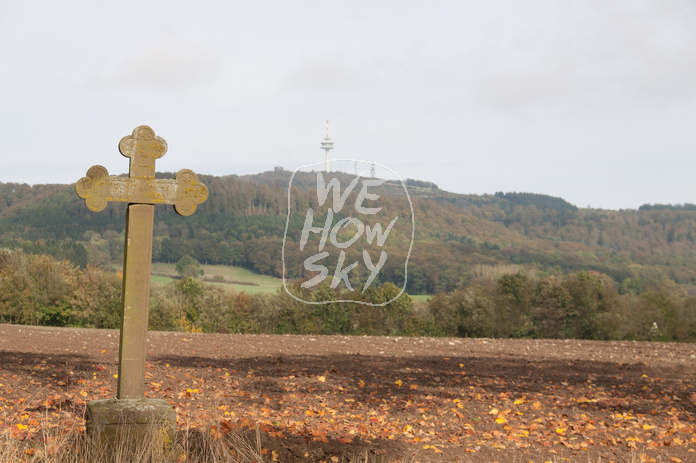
{"x":137,"y":262}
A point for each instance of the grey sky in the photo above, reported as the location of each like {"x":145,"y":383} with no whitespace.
{"x":591,"y":101}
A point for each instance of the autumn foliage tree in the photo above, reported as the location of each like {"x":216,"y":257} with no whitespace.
{"x":36,"y":289}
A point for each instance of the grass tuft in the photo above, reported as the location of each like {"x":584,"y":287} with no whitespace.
{"x":71,"y":445}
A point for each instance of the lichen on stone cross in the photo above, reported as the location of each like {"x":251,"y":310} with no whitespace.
{"x":141,"y":187}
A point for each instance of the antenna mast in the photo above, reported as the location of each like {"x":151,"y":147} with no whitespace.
{"x":327,"y":145}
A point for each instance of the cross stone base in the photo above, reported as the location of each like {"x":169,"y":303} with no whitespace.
{"x":131,"y":423}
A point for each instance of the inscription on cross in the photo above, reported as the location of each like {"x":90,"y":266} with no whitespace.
{"x":142,"y":191}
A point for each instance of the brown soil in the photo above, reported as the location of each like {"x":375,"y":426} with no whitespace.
{"x":438,"y":399}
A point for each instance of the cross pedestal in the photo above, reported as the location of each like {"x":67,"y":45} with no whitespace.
{"x":130,"y":418}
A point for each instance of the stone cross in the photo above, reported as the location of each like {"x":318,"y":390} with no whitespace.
{"x":141,"y":191}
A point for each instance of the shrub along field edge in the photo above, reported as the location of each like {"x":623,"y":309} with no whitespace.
{"x":40,"y":290}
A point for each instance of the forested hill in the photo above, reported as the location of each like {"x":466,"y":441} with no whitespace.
{"x":458,"y":238}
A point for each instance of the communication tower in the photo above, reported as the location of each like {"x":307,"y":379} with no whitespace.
{"x":373,"y":170}
{"x":327,"y":145}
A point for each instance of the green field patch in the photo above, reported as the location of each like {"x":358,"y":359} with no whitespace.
{"x":237,"y":278}
{"x":160,"y":279}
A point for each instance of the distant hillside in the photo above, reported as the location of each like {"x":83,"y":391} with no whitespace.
{"x":458,"y":237}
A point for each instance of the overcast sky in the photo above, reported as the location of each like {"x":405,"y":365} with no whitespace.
{"x":592,"y":101}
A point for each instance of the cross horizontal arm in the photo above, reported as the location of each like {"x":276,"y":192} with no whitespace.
{"x":98,"y":188}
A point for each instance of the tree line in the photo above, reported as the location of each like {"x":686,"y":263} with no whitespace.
{"x":41,"y":290}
